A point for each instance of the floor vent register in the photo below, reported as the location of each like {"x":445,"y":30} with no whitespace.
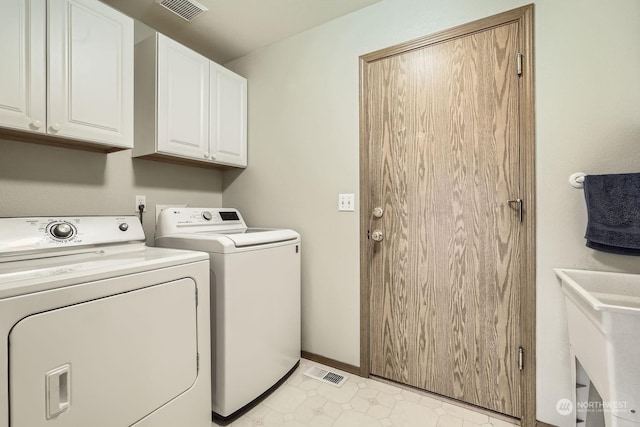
{"x":326,"y":376}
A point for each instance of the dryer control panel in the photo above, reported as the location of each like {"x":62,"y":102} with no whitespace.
{"x":37,"y":234}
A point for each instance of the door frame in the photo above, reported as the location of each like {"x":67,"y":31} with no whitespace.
{"x":524,"y":17}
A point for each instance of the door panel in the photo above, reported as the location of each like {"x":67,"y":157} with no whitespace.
{"x":445,"y":281}
{"x":122,"y":357}
{"x":90,"y":80}
{"x":228,"y":121}
{"x":183,"y":100}
{"x":23,"y":70}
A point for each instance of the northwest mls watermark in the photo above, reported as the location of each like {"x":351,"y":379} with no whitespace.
{"x":565,"y":406}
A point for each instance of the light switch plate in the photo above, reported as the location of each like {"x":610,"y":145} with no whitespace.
{"x":346,"y":202}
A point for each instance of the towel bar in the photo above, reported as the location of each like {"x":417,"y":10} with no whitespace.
{"x":577,"y":179}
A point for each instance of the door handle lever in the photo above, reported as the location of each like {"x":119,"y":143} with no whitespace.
{"x":519,"y":202}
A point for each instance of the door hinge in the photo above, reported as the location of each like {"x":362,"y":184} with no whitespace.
{"x":520,"y":358}
{"x":519,"y":63}
{"x":368,"y":234}
{"x":519,"y":203}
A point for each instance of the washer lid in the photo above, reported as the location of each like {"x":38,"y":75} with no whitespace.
{"x":229,"y":241}
{"x":260,"y":236}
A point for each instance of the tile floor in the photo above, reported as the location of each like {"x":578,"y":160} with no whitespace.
{"x":360,"y":402}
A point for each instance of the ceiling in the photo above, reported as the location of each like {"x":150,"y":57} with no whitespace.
{"x":233,"y":28}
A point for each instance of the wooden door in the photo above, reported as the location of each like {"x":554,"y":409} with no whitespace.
{"x":442,"y":128}
{"x":90,"y":81}
{"x":183,"y":100}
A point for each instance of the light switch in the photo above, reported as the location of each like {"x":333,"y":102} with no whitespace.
{"x":346,"y":202}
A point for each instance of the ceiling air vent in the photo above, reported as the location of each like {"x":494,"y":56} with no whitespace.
{"x":186,"y":9}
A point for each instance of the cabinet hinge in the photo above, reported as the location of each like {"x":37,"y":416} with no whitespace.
{"x":196,"y":297}
{"x":520,"y":358}
{"x":198,"y":362}
{"x":519,"y":63}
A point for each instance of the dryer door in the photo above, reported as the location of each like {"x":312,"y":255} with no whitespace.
{"x":104,"y":363}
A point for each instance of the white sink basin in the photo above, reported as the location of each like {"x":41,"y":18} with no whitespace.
{"x":603,"y":314}
{"x":604,"y":291}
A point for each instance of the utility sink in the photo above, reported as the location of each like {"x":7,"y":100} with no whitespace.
{"x":603,"y":315}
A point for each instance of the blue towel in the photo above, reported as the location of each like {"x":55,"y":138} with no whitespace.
{"x":613,"y":208}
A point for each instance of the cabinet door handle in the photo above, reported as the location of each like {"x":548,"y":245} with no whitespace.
{"x":58,"y":390}
{"x":206,"y":155}
{"x":36,"y":124}
{"x":55,"y":127}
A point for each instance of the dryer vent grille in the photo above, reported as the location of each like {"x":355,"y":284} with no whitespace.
{"x":326,"y":376}
{"x":186,"y":9}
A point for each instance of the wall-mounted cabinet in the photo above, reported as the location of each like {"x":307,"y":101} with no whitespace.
{"x":67,"y":73}
{"x":188,"y":109}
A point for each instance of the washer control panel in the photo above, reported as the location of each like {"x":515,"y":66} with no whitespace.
{"x":172,"y":220}
{"x":38,"y":233}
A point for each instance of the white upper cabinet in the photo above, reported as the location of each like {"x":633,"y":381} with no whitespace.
{"x":183,"y":100}
{"x":228,"y":122}
{"x":67,"y":71}
{"x":188,"y":109}
{"x":23,"y":69}
{"x":90,"y":72}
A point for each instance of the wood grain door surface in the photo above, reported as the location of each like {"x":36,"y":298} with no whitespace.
{"x":442,"y":128}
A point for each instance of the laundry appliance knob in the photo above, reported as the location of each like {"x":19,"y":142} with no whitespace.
{"x":62,"y":231}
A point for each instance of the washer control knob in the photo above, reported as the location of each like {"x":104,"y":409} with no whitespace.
{"x":123,"y":226}
{"x":207,"y":215}
{"x":62,"y":231}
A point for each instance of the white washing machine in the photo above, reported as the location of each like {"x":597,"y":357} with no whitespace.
{"x":99,"y":330}
{"x":255,"y":300}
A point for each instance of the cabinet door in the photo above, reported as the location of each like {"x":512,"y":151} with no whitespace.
{"x":22,"y":73}
{"x":228,"y":122}
{"x":90,"y":81}
{"x":183,"y":100}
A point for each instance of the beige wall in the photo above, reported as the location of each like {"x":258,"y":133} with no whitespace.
{"x":42,"y":180}
{"x":303,"y":150}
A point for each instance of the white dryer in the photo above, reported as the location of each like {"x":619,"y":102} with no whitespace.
{"x":99,"y":330}
{"x":255,"y":300}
